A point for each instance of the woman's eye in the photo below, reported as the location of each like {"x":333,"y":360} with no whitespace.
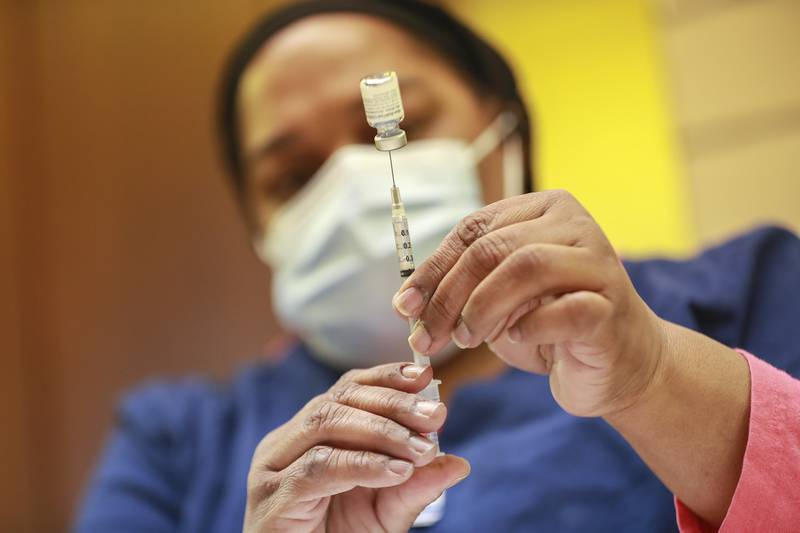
{"x":281,"y":178}
{"x":416,"y":127}
{"x":287,"y":185}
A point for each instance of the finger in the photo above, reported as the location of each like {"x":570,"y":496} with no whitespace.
{"x":510,"y":320}
{"x":398,"y":506}
{"x":334,"y":424}
{"x":324,"y":471}
{"x":286,"y":443}
{"x":410,"y":410}
{"x":478,"y":261}
{"x":574,"y":317}
{"x":531,"y":272}
{"x":577,"y":316}
{"x":406,"y":377}
{"x":527,"y":357}
{"x":430,"y":273}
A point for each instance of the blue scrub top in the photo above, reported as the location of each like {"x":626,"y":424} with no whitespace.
{"x":178,"y":457}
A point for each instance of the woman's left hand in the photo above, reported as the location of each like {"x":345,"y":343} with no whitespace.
{"x":535,"y":277}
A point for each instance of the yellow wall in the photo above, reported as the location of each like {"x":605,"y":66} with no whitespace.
{"x":593,"y":73}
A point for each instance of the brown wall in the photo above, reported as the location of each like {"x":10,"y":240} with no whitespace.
{"x":15,"y":487}
{"x":122,"y":255}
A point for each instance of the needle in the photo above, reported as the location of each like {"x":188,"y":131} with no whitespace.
{"x":391,"y":166}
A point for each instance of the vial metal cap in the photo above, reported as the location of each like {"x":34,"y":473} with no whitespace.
{"x":391,"y":142}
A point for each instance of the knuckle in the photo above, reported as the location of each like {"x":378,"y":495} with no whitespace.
{"x":388,"y":428}
{"x":473,"y":226}
{"x":397,"y":402}
{"x":261,"y":484}
{"x":528,"y":259}
{"x":401,"y":403}
{"x":486,"y":253}
{"x":343,"y":391}
{"x":442,"y":308}
{"x":377,"y":425}
{"x":359,"y":460}
{"x":324,"y":415}
{"x":563,"y":196}
{"x":315,"y":420}
{"x":314,"y":403}
{"x":583,"y":227}
{"x":435,"y":267}
{"x":316,"y":461}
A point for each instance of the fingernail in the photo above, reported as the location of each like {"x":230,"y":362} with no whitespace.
{"x":408,"y":302}
{"x":420,"y":445}
{"x":426,"y":407}
{"x":420,"y":340}
{"x":461,"y":335}
{"x":514,"y":334}
{"x":401,"y":468}
{"x":412,"y":371}
{"x":461,"y":478}
{"x":458,"y":480}
{"x":498,"y":329}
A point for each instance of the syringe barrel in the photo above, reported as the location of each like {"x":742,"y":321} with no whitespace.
{"x":402,"y":237}
{"x":431,"y":393}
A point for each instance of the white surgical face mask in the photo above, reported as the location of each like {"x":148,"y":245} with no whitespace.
{"x":332,"y":249}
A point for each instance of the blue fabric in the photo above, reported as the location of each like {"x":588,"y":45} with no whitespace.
{"x":179,"y":456}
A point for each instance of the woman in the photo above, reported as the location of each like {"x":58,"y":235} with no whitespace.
{"x":526,"y":285}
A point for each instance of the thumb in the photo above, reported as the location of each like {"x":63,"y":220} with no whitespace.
{"x":397,"y":507}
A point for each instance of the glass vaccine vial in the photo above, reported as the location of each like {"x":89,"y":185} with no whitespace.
{"x":384,"y":109}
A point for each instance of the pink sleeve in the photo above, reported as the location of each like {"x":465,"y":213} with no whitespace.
{"x":767,"y":497}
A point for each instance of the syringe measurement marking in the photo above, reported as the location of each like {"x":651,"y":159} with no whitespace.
{"x":402,"y":241}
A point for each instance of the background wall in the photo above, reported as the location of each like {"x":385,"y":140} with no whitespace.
{"x":121,"y":253}
{"x":592,"y":71}
{"x":734,"y":71}
{"x":16,"y":502}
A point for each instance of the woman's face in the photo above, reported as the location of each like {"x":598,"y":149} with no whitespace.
{"x":299,"y":101}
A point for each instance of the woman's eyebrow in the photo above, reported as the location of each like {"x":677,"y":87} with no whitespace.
{"x":272,"y":144}
{"x":412,"y":83}
{"x":417,"y":93}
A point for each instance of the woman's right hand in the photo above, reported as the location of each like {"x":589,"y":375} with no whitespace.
{"x":353,"y":458}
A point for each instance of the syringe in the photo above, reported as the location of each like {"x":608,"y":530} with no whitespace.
{"x":405,"y":256}
{"x":384,"y":109}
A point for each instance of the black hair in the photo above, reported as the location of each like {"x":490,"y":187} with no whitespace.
{"x":478,"y":62}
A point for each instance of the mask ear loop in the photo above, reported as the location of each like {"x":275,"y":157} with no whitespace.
{"x":494,"y":134}
{"x":498,"y":133}
{"x":513,"y":168}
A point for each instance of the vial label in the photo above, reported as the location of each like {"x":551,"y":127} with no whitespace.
{"x":402,"y":242}
{"x":381,"y":96}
